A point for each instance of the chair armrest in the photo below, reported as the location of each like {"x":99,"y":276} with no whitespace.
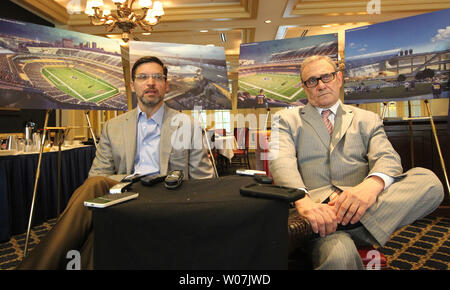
{"x":299,"y":230}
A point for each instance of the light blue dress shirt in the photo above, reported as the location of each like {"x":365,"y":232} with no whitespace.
{"x":146,"y":160}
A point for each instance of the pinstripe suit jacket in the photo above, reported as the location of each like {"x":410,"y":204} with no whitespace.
{"x":303,"y":154}
{"x":117,"y":149}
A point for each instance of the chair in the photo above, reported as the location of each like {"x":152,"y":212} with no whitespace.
{"x":241,"y":153}
{"x":220,"y":161}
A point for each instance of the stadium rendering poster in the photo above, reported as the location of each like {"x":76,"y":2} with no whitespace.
{"x":49,"y":68}
{"x":197,"y":74}
{"x":399,"y":60}
{"x":269,"y":71}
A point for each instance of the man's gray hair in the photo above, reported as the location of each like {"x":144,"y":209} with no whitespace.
{"x":314,"y":58}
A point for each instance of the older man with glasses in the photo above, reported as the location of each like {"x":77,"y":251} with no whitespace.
{"x":357,"y":191}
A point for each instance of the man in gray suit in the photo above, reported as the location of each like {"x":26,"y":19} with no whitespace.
{"x":141,"y":141}
{"x":341,"y":155}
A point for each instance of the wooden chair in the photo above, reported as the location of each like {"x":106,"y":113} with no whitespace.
{"x":240,"y":157}
{"x":221,"y":162}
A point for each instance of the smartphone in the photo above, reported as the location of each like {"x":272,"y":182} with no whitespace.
{"x":110,"y":199}
{"x":120,"y":187}
{"x":152,"y":179}
{"x":249,"y":172}
{"x":271,"y":191}
{"x":263,"y":178}
{"x":132,"y":178}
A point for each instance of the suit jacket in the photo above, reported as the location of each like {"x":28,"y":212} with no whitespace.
{"x":117,"y":148}
{"x":303,"y":154}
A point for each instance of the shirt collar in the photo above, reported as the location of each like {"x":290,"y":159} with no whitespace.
{"x":333,"y":108}
{"x":157,"y":116}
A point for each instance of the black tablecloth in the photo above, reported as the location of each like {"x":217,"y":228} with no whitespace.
{"x":204,"y":224}
{"x":17,"y":176}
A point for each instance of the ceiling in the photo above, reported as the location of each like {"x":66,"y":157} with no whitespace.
{"x":242,"y":21}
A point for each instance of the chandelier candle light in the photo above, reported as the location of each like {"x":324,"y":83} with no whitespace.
{"x":125,"y":17}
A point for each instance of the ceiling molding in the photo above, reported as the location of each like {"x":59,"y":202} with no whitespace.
{"x":49,"y":10}
{"x":321,"y":7}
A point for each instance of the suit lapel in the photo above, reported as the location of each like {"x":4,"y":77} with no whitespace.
{"x":165,"y":146}
{"x":130,"y":131}
{"x":342,"y":121}
{"x":312,"y":117}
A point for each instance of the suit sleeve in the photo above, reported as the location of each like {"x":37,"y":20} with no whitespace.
{"x":283,"y":157}
{"x":103,"y":164}
{"x":382,"y":157}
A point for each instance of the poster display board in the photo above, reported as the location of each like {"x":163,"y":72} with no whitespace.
{"x":269,"y":71}
{"x":43,"y":67}
{"x":400,"y":60}
{"x":197,"y":74}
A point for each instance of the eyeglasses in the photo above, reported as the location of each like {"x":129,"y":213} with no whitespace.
{"x":326,"y":78}
{"x":144,"y":77}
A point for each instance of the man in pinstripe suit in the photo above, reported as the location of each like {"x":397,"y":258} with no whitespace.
{"x":357,"y":192}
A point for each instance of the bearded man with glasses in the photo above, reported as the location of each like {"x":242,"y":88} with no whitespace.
{"x":137,"y":142}
{"x":357,"y":191}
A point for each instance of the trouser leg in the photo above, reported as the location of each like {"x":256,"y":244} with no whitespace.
{"x":70,"y":231}
{"x":87,"y":253}
{"x":335,"y":252}
{"x":405,"y":201}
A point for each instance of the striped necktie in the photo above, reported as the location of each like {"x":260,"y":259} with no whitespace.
{"x":328,"y":124}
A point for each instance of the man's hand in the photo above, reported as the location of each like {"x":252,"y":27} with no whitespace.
{"x":321,"y":216}
{"x":352,"y":203}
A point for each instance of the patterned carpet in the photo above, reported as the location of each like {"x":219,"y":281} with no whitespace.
{"x":423,"y":245}
{"x":11,"y":252}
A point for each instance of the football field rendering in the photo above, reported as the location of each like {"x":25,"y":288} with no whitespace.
{"x":282,"y":87}
{"x":44,"y":67}
{"x":269,"y":71}
{"x":79,"y":84}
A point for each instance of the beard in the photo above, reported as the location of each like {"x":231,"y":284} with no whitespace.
{"x":150,"y":102}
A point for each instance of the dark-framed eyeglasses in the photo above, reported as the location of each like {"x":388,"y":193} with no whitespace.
{"x":143,"y":77}
{"x":312,"y":82}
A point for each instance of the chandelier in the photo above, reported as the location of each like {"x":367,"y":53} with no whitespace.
{"x":126,"y":17}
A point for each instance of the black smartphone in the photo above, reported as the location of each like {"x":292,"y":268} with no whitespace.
{"x":271,"y":191}
{"x":263,"y":178}
{"x":132,"y":178}
{"x":150,"y":180}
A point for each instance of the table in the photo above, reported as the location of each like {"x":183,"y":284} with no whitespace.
{"x":225,"y":146}
{"x":17,"y":176}
{"x":204,"y":224}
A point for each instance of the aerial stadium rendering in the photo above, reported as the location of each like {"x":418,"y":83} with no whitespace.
{"x":49,"y":68}
{"x":384,"y":63}
{"x":197,"y":74}
{"x":269,"y":70}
